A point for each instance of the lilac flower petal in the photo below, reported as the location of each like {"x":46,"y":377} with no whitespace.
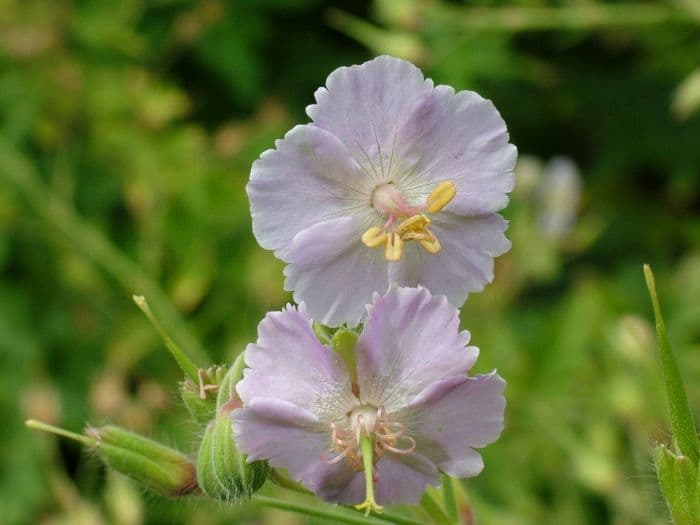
{"x":364,"y":107}
{"x":293,"y":438}
{"x":465,"y":263}
{"x":403,"y":479}
{"x":462,"y":138}
{"x":410,"y":340}
{"x":334,"y":273}
{"x":453,"y":416}
{"x":308,"y":177}
{"x":287,"y":348}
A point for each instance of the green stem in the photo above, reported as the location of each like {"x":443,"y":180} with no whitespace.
{"x":188,"y":367}
{"x":45,"y":427}
{"x":571,"y":16}
{"x":433,"y":509}
{"x":283,"y":481}
{"x":682,"y":423}
{"x":334,"y":514}
{"x":15,"y":168}
{"x":448,"y":493}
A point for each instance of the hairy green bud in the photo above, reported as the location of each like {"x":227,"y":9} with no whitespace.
{"x":680,"y":483}
{"x":222,"y":471}
{"x":161,"y":469}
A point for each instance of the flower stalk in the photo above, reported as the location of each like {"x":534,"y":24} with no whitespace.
{"x":187,"y":366}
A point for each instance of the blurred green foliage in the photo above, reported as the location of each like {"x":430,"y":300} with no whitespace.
{"x":127,"y":130}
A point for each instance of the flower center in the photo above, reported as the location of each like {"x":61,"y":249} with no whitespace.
{"x":362,"y":439}
{"x":405,"y":222}
{"x":367,"y":422}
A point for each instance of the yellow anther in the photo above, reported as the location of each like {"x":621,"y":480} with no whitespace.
{"x":441,"y":196}
{"x":393,"y":248}
{"x":416,"y":223}
{"x":415,"y":228}
{"x":374,"y":237}
{"x":430,"y":243}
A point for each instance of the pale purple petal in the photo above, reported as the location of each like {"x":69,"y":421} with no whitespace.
{"x":334,"y":273}
{"x":454,"y":416}
{"x":410,"y":340}
{"x":403,"y":479}
{"x":288,"y":363}
{"x":465,"y":262}
{"x":293,"y":438}
{"x":364,"y":106}
{"x":308,"y":178}
{"x":462,"y":138}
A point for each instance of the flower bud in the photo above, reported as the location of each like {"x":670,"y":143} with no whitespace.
{"x":680,"y":482}
{"x":161,"y":469}
{"x":222,"y":471}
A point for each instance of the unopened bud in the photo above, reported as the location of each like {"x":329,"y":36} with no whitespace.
{"x":161,"y":469}
{"x":222,"y":471}
{"x":680,"y":483}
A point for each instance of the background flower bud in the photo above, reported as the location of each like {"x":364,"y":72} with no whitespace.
{"x":222,"y":471}
{"x":161,"y":469}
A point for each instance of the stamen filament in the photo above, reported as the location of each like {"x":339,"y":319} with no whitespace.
{"x":402,"y":451}
{"x":369,"y":505}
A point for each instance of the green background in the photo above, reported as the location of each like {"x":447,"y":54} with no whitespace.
{"x":127,"y":131}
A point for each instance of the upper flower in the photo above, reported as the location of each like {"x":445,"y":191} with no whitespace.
{"x":383,"y":435}
{"x":395,"y":181}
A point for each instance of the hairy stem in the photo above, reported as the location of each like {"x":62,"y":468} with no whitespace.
{"x":45,"y":427}
{"x":682,"y":423}
{"x":186,"y":365}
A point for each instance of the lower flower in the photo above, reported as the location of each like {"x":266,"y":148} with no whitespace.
{"x":382,"y":435}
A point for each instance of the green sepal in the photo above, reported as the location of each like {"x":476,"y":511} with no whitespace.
{"x":343,"y":343}
{"x":227,"y":386}
{"x":203,"y":409}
